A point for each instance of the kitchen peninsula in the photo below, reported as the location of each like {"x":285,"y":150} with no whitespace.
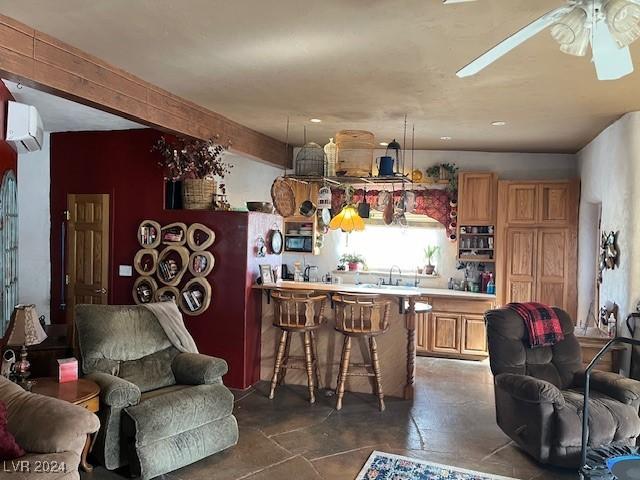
{"x":453,"y":328}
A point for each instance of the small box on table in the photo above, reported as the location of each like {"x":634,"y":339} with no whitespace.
{"x":67,"y":370}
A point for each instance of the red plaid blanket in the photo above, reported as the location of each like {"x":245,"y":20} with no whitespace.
{"x":541,"y":321}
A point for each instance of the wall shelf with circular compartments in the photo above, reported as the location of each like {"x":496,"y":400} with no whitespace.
{"x":195,"y":296}
{"x":144,"y":290}
{"x":173,"y":264}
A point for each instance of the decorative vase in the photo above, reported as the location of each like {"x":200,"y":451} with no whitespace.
{"x":198,"y":193}
{"x":429,"y":269}
{"x":173,"y":194}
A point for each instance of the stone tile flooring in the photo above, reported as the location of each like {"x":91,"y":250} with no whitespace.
{"x":451,"y":421}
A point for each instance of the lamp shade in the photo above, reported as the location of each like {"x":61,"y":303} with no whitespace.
{"x":571,"y":32}
{"x":26,"y":329}
{"x":347,"y":220}
{"x":623,"y":20}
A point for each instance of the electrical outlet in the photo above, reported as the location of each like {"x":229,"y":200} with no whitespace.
{"x":125,"y":270}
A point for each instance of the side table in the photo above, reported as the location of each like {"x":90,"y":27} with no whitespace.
{"x":82,"y":392}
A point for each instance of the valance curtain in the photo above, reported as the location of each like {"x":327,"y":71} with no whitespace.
{"x":431,"y":202}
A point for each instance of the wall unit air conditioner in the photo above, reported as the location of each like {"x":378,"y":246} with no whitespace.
{"x":24,"y":127}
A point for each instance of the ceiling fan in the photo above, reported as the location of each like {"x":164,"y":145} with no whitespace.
{"x":608,"y":26}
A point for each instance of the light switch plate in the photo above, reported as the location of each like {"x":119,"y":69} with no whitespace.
{"x":125,"y":271}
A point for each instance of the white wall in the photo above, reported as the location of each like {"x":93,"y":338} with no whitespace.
{"x":508,"y":166}
{"x":249,"y":180}
{"x":610,"y":173}
{"x":34,"y":262}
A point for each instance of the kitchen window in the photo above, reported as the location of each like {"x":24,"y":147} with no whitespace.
{"x":383,"y":246}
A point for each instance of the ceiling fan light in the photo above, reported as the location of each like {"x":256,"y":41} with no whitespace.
{"x":623,"y":20}
{"x":580,"y":46}
{"x":570,"y":28}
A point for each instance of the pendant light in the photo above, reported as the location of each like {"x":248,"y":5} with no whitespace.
{"x":348,"y":219}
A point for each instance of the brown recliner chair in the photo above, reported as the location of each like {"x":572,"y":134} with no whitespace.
{"x":539,"y":397}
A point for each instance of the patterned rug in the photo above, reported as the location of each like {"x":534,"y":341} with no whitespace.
{"x":386,"y":466}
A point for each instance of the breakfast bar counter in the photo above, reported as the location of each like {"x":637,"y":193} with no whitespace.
{"x":397,"y":347}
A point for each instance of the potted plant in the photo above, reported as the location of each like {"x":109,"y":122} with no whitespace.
{"x":196,"y":163}
{"x":429,"y":253}
{"x":353,"y":260}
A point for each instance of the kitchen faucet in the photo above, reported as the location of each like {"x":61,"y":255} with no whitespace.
{"x":391,"y":274}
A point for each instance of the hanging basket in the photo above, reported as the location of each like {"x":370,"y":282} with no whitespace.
{"x":198,"y":193}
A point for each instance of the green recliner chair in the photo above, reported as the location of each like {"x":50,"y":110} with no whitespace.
{"x":160,"y":409}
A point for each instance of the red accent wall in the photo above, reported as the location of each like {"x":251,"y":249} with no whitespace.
{"x":121,"y":164}
{"x":8,"y":156}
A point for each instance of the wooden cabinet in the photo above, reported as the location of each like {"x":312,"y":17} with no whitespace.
{"x":523,"y":203}
{"x":537,"y":226}
{"x":474,"y":335}
{"x":444,"y":333}
{"x":477,"y":198}
{"x":455,"y":328}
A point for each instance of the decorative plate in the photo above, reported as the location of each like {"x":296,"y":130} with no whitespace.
{"x":284,"y":199}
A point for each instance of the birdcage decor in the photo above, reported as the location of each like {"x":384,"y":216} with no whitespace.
{"x":311,"y":160}
{"x":355,"y":153}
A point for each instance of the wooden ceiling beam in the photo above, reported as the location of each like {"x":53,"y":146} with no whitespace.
{"x":43,"y":62}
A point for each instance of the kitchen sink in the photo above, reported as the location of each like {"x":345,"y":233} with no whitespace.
{"x":388,"y":287}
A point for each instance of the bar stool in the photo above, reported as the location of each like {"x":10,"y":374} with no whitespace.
{"x":297,"y":312}
{"x":366,"y":316}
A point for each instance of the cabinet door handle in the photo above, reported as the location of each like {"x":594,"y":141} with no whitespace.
{"x":101,"y":290}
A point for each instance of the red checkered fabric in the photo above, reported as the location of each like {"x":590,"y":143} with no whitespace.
{"x":541,"y":321}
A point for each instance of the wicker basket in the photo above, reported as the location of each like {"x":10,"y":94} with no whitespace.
{"x":355,"y":153}
{"x":198,"y":193}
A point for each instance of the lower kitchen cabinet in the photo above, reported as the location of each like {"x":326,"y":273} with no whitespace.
{"x":455,"y":328}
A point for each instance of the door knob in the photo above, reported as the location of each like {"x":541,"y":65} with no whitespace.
{"x":102,"y":291}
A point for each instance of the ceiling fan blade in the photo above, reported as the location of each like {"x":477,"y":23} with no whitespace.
{"x":514,"y":41}
{"x":611,"y":62}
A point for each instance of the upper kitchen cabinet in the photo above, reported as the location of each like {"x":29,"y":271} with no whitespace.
{"x":477,"y":198}
{"x":538,"y":203}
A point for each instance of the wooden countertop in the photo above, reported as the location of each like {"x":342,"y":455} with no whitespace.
{"x":382,"y":290}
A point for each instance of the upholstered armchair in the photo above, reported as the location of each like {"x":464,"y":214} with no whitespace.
{"x":51,"y":431}
{"x":162,"y":409}
{"x":539,"y":397}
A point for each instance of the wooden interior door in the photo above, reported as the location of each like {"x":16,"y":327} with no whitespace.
{"x":474,"y":335}
{"x":87,"y":270}
{"x":445,"y":333}
{"x":552,"y":276}
{"x":522,"y":206}
{"x":521,"y":246}
{"x":477,"y":192}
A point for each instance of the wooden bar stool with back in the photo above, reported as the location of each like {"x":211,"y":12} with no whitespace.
{"x":300,"y":312}
{"x":365,"y":316}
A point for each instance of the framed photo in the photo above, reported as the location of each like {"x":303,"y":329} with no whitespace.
{"x":267,"y":275}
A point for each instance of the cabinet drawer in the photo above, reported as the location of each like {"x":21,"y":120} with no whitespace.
{"x":93,"y":404}
{"x":454,"y":305}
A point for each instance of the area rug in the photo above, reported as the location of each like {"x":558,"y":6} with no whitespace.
{"x":386,"y":466}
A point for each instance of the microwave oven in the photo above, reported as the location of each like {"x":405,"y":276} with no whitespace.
{"x":299,"y":244}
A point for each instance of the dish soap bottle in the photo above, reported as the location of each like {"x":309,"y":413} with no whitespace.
{"x":331,"y":151}
{"x":491,"y":287}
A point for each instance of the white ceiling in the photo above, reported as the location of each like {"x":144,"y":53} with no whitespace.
{"x":62,"y":115}
{"x":359,"y":64}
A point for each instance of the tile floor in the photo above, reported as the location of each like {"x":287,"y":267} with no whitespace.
{"x":451,"y":421}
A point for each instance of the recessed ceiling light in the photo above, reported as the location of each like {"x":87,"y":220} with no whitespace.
{"x":315,"y":120}
{"x":445,"y":138}
{"x":499,"y":123}
{"x":384,"y":144}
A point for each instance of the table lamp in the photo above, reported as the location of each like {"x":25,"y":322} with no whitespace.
{"x":25,"y":330}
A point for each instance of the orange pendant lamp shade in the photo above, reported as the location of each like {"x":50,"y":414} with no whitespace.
{"x":347,"y":220}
